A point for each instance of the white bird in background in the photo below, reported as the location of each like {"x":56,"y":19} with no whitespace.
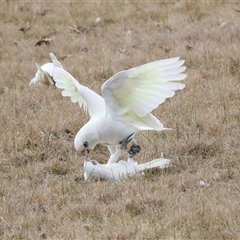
{"x":44,"y":74}
{"x":128,"y":98}
{"x":120,"y":170}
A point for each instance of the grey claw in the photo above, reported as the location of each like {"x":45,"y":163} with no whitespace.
{"x":134,"y":150}
{"x":125,"y":141}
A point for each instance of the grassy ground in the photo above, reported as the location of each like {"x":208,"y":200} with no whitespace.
{"x":42,"y":191}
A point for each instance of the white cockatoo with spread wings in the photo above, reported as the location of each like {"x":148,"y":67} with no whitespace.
{"x":127,"y":100}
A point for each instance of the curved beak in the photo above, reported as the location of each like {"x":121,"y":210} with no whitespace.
{"x":85,"y":151}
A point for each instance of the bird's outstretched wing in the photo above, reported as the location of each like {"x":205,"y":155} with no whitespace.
{"x":55,"y":62}
{"x":43,"y":75}
{"x":86,"y":98}
{"x":134,"y":93}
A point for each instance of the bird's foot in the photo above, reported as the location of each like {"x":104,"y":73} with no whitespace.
{"x":125,"y":141}
{"x":134,"y":150}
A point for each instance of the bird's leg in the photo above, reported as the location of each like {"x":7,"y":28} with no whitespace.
{"x":125,"y":141}
{"x":123,"y":144}
{"x":112,"y":148}
{"x":135,"y":148}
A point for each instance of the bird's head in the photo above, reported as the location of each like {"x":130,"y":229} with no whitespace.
{"x":86,"y":140}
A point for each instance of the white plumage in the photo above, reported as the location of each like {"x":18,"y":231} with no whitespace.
{"x":128,"y":98}
{"x":120,"y":170}
{"x":44,"y":73}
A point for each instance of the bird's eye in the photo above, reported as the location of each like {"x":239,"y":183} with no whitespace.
{"x":94,"y":162}
{"x":86,"y":144}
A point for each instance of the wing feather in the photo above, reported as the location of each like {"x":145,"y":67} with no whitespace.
{"x":143,"y":88}
{"x":173,"y":71}
{"x":55,"y":62}
{"x":174,"y":77}
{"x":86,"y":98}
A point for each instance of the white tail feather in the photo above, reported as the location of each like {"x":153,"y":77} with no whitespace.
{"x":159,"y":162}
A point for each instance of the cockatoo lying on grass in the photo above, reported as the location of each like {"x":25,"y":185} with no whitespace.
{"x":128,"y":99}
{"x":44,"y":73}
{"x":117,"y":171}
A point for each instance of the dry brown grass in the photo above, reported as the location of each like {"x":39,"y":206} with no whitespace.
{"x":42,"y":191}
